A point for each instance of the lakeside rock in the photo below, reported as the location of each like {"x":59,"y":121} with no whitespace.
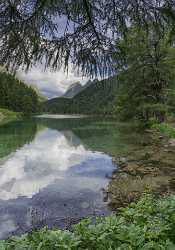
{"x":121,"y":161}
{"x":172,"y":142}
{"x":149,"y":169}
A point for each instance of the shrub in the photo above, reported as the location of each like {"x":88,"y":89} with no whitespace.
{"x":165,"y":129}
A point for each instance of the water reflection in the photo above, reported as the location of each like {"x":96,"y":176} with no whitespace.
{"x":52,"y":178}
{"x":15,"y":134}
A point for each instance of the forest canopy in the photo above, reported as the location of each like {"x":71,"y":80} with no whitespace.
{"x":16,"y":95}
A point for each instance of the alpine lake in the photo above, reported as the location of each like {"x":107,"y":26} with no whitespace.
{"x":54,"y":170}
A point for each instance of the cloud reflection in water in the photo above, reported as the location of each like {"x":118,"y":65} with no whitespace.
{"x":40,"y":163}
{"x":54,"y":170}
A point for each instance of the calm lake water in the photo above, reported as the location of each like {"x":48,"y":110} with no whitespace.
{"x":53,"y":170}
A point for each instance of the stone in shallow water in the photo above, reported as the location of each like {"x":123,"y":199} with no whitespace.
{"x":172,"y":142}
{"x":121,"y":161}
{"x":84,"y":205}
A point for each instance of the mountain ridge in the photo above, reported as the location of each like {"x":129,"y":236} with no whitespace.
{"x":97,"y":98}
{"x":75,"y":88}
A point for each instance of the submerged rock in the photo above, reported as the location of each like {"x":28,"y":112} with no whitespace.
{"x":121,"y":161}
{"x":149,"y":169}
{"x":85,"y":205}
{"x":172,"y":142}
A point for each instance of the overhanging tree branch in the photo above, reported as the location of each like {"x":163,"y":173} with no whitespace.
{"x":89,"y":40}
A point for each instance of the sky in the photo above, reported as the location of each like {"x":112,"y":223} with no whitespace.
{"x":51,"y":84}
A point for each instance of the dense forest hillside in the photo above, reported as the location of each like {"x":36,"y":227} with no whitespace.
{"x":41,"y":96}
{"x":97,"y":98}
{"x":17,"y":96}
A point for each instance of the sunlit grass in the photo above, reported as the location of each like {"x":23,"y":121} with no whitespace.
{"x":165,"y":129}
{"x":7,"y":115}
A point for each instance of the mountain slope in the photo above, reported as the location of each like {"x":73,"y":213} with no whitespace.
{"x":7,"y":115}
{"x":41,"y":97}
{"x":73,"y":90}
{"x":97,"y":98}
{"x":16,"y":95}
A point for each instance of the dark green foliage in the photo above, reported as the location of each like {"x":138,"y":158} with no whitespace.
{"x":165,"y":129}
{"x":143,"y":88}
{"x":17,"y":96}
{"x":147,"y":72}
{"x":98,"y":98}
{"x":147,"y":225}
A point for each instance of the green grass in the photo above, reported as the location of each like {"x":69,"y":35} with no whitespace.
{"x":7,"y":115}
{"x":146,"y":225}
{"x":165,"y":129}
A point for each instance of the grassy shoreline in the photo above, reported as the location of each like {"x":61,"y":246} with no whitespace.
{"x":7,"y":116}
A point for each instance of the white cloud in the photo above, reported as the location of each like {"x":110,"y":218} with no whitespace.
{"x":50,"y":83}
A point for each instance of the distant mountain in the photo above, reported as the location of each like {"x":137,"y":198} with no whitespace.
{"x":75,"y":89}
{"x":97,"y":97}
